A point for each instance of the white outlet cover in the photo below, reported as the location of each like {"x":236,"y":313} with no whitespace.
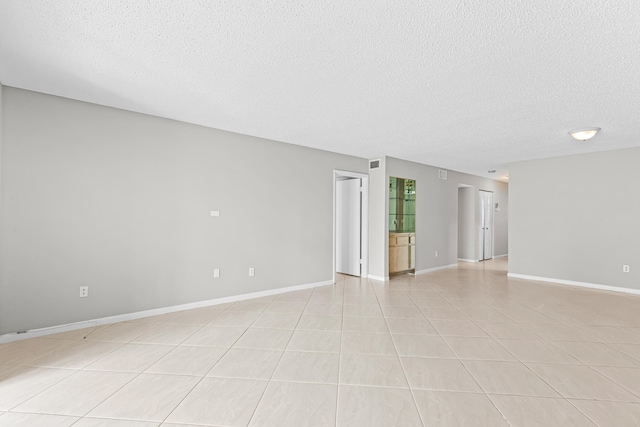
{"x":252,"y":271}
{"x":215,"y":213}
{"x":216,"y":272}
{"x":84,"y":291}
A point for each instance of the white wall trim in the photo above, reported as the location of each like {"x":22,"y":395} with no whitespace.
{"x":574,"y":283}
{"x":500,"y":256}
{"x":443,"y":267}
{"x":467,"y":260}
{"x":33,"y":333}
{"x":379,"y":278}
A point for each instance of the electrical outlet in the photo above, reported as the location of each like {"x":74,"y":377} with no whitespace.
{"x":625,"y":268}
{"x":436,"y":253}
{"x":215,"y":213}
{"x":252,"y":271}
{"x":84,"y":291}
{"x":216,"y":273}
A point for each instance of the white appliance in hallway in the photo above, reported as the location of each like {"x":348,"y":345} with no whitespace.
{"x":348,"y":226}
{"x":486,"y":224}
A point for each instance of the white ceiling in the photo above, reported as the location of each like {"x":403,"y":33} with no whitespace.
{"x":468,"y":85}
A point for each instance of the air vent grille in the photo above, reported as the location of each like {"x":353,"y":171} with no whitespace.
{"x":442,"y":174}
{"x":374,"y":164}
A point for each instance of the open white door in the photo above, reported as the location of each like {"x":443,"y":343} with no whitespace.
{"x":486,"y":200}
{"x":348,"y":226}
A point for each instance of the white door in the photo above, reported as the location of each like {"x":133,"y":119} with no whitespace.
{"x":348,"y":226}
{"x":486,"y":202}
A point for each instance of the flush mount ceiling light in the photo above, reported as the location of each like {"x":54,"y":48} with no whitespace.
{"x":584,"y":134}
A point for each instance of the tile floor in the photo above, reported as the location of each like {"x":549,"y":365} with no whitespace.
{"x":457,"y":347}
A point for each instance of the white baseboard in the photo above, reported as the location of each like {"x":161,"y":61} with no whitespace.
{"x":574,"y":283}
{"x":467,"y":260}
{"x":501,"y":256}
{"x":442,"y":267}
{"x":379,"y":278}
{"x":33,"y":333}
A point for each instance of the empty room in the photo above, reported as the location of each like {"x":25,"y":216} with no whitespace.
{"x":290,"y":213}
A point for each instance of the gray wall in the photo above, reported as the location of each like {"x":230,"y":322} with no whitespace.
{"x":467,"y":227}
{"x":577,"y":218}
{"x":437,"y":214}
{"x":121,"y":202}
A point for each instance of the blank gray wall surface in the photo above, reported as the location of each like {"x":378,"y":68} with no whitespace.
{"x":577,"y":218}
{"x":121,"y":202}
{"x":378,"y":221}
{"x":437,"y":211}
{"x":467,"y":229}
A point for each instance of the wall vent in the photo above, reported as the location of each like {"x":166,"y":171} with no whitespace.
{"x":374,"y":164}
{"x":442,"y":174}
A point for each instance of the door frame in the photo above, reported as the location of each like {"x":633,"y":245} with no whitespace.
{"x":364,"y":220}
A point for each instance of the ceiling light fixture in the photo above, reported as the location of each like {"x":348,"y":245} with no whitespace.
{"x":584,"y":134}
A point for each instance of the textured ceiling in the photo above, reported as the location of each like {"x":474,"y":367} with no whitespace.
{"x":464,"y":85}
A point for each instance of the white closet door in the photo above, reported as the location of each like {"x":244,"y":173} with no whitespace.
{"x":348,"y":226}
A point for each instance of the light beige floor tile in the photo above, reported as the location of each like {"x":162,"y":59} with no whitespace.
{"x":632,"y":350}
{"x":521,"y":411}
{"x":376,"y":407}
{"x":162,"y":393}
{"x":596,"y":354}
{"x":315,"y":341}
{"x":220,"y":401}
{"x":580,"y":382}
{"x":508,"y":378}
{"x":78,"y":394}
{"x":250,"y":305}
{"x":537,"y":351}
{"x":373,"y":325}
{"x":411,"y":326}
{"x":186,"y":360}
{"x":25,"y":352}
{"x":610,"y":414}
{"x":464,"y":302}
{"x":360,"y":299}
{"x":21,"y":383}
{"x":362,"y":310}
{"x":507,"y":330}
{"x":295,"y":296}
{"x":276,"y":321}
{"x":556,"y":332}
{"x":431,"y":301}
{"x":628,"y":378}
{"x":442,"y":313}
{"x":215,"y":336}
{"x":372,"y":369}
{"x":445,"y":408}
{"x":324,"y":309}
{"x":295,"y":405}
{"x":235,"y":318}
{"x":76,"y":334}
{"x":131,"y":358}
{"x":458,"y":328}
{"x":334,"y":298}
{"x":286,"y":307}
{"x":355,"y":342}
{"x":308,"y":367}
{"x":11,"y":419}
{"x":422,"y":345}
{"x":400,"y":300}
{"x":246,"y":363}
{"x":612,"y":334}
{"x":315,"y":322}
{"x":266,"y":339}
{"x":104,"y":422}
{"x":485,"y":314}
{"x":168,"y":334}
{"x":438,"y":374}
{"x":120,"y":332}
{"x":478,"y":349}
{"x":77,"y":355}
{"x":196,"y":316}
{"x":525,"y":315}
{"x":403,"y":312}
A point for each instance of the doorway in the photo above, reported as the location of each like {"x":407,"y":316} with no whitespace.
{"x":486,"y":225}
{"x":350,"y":223}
